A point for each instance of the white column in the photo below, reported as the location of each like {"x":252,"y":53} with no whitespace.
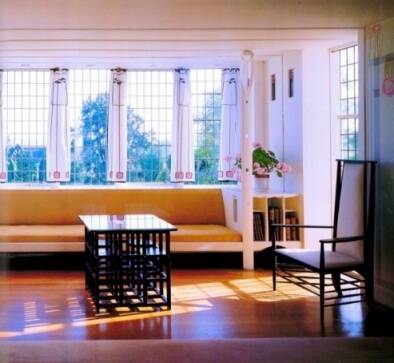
{"x":247,"y":139}
{"x":3,"y":164}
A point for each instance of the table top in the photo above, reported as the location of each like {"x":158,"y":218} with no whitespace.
{"x":126,"y":223}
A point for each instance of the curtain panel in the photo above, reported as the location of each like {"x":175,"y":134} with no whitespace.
{"x":117,"y":127}
{"x":230,"y":132}
{"x":58,"y":136}
{"x":3,"y":164}
{"x":182,"y":151}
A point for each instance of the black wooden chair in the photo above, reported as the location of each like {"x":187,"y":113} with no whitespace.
{"x":341,"y":271}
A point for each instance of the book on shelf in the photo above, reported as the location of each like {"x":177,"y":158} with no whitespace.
{"x":294,"y":231}
{"x":276,"y":216}
{"x":258,"y":226}
{"x":291,"y":232}
{"x":288,"y":229}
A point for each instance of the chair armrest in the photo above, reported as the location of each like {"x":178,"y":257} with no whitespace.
{"x":272,"y":227}
{"x":341,"y":239}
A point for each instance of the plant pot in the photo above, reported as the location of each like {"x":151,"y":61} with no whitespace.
{"x":261,"y":183}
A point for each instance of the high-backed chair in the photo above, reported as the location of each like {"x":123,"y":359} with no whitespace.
{"x":341,"y":270}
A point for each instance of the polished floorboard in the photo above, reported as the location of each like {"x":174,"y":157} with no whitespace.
{"x":206,"y":304}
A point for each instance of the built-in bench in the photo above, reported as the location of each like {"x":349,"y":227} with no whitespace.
{"x":47,"y":219}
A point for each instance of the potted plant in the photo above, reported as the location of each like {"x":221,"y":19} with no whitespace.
{"x":264,"y":163}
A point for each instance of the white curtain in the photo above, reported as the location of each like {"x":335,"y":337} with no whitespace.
{"x":230,"y":133}
{"x":117,"y":127}
{"x":58,"y":142}
{"x":182,"y":151}
{"x":3,"y":164}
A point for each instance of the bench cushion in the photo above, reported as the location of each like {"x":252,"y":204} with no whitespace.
{"x":42,"y":233}
{"x":204,"y":233}
{"x":75,"y":233}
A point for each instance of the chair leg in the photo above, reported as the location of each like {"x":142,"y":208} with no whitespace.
{"x":274,"y":260}
{"x":369,"y":293}
{"x":336,"y":280}
{"x":322,"y":281}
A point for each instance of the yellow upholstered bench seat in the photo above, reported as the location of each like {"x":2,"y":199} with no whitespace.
{"x":42,"y":233}
{"x":205,"y":233}
{"x":48,"y":219}
{"x":75,"y":233}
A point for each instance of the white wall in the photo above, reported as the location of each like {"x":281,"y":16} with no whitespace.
{"x":274,"y":131}
{"x":161,"y":33}
{"x":299,"y":130}
{"x":318,"y":165}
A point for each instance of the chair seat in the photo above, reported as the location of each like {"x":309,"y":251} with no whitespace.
{"x":311,"y":258}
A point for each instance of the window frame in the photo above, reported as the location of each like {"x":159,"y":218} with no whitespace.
{"x":74,"y":130}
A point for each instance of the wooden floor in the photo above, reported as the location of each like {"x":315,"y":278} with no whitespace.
{"x":207,"y":304}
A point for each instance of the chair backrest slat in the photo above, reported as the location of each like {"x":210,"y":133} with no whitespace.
{"x":353,"y":205}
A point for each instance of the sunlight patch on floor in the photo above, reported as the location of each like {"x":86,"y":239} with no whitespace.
{"x":186,"y":299}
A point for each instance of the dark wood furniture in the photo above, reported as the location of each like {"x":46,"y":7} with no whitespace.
{"x":347,"y":257}
{"x":128,"y":261}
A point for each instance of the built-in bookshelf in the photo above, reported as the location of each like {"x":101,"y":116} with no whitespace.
{"x":283,"y":207}
{"x":278,"y":208}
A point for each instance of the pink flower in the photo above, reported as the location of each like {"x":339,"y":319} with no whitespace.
{"x":284,"y":168}
{"x":256,"y":144}
{"x":258,"y":170}
{"x":227,"y":158}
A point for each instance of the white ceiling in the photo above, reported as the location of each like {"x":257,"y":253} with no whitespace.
{"x":171,"y":33}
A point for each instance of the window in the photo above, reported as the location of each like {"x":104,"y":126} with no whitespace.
{"x":149,"y":130}
{"x":349,"y":121}
{"x":25,"y":113}
{"x":88,"y":105}
{"x":206,"y":100}
{"x":149,"y":125}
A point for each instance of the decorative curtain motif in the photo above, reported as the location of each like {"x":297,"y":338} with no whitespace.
{"x":230,"y":132}
{"x":58,"y":144}
{"x":388,"y":82}
{"x":182,"y":151}
{"x":375,"y":40}
{"x":3,"y":164}
{"x":117,"y":127}
{"x":247,"y":72}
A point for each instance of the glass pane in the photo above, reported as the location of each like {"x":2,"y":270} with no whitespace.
{"x":344,"y":127}
{"x":343,"y":57}
{"x":350,"y":89}
{"x":344,"y":90}
{"x":350,"y":72}
{"x":350,"y":55}
{"x":352,"y":109}
{"x":344,"y":108}
{"x":351,"y":126}
{"x":343,"y":74}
